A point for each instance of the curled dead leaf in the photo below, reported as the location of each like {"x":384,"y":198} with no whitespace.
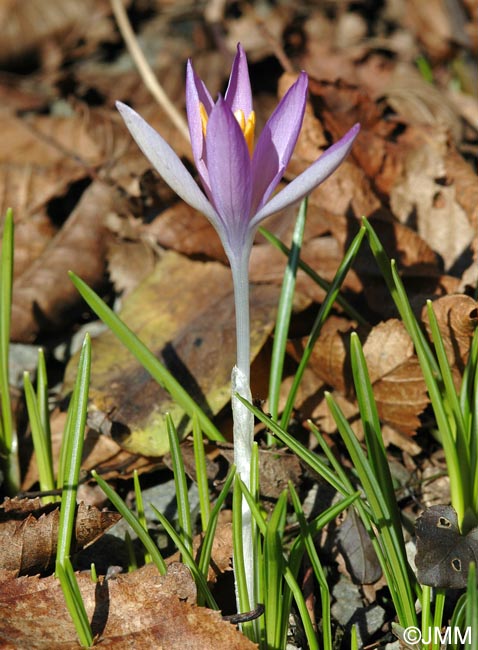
{"x":29,"y":532}
{"x":138,"y":609}
{"x":457,"y":317}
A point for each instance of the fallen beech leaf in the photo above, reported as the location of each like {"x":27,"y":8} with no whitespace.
{"x":419,"y":190}
{"x":138,"y":609}
{"x":43,"y":296}
{"x":457,"y":318}
{"x":29,"y":532}
{"x":398,"y":384}
{"x":463,"y":178}
{"x":183,"y":312}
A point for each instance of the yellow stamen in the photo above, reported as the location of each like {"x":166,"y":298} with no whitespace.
{"x":249,"y":132}
{"x":204,"y":118}
{"x":247,"y":126}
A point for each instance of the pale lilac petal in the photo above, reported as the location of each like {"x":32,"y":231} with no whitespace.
{"x":196,"y":94}
{"x":238,"y":94}
{"x":277,"y":141}
{"x":321,"y":169}
{"x":168,"y":165}
{"x":229,"y":167}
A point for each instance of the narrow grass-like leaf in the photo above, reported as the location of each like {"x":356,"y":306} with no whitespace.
{"x":468,"y":407}
{"x":312,"y":642}
{"x":460,"y":433}
{"x":73,"y":442}
{"x":62,"y":460}
{"x":40,"y":441}
{"x":188,"y":559}
{"x":324,"y":284}
{"x":394,"y":564}
{"x":8,"y":438}
{"x":460,"y":498}
{"x":361,"y":506}
{"x":74,"y":602}
{"x":461,"y":494}
{"x":448,"y":384}
{"x":206,"y":546}
{"x":42,"y":397}
{"x":399,"y":574}
{"x":324,"y":311}
{"x":377,"y":456}
{"x":201,"y":473}
{"x":273,"y":565}
{"x":73,"y":439}
{"x":294,"y":445}
{"x":238,"y":549}
{"x":471,"y":627}
{"x":133,"y":521}
{"x":400,"y":299}
{"x":140,"y":510}
{"x":257,"y":625}
{"x":440,"y":602}
{"x":284,"y":312}
{"x":327,"y":641}
{"x":181,"y":485}
{"x":132,"y":562}
{"x":147,"y":359}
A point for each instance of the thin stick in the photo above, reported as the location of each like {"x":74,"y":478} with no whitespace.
{"x":144,"y":69}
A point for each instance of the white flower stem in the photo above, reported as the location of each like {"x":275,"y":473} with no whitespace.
{"x":243,"y":420}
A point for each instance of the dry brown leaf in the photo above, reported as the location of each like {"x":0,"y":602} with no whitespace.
{"x":139,"y":609}
{"x":437,"y":27}
{"x":420,"y":191}
{"x":27,"y":24}
{"x":457,"y":318}
{"x":410,"y":164}
{"x":326,"y":239}
{"x":186,"y":231}
{"x":398,"y":384}
{"x":221,"y":552}
{"x":419,"y":102}
{"x":348,"y":188}
{"x":40,"y":158}
{"x":29,"y":532}
{"x":463,"y":178}
{"x":43,"y":296}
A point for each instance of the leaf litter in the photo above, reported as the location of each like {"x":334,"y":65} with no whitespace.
{"x":85,"y":199}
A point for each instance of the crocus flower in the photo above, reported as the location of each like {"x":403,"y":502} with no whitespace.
{"x":238,"y":180}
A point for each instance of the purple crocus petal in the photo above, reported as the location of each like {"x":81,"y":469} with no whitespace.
{"x":238,"y":94}
{"x":310,"y":178}
{"x":196,"y":94}
{"x":277,"y":141}
{"x":229,"y":168}
{"x":168,"y":165}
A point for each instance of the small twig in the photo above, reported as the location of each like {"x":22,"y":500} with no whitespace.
{"x":144,"y":69}
{"x":236,"y":619}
